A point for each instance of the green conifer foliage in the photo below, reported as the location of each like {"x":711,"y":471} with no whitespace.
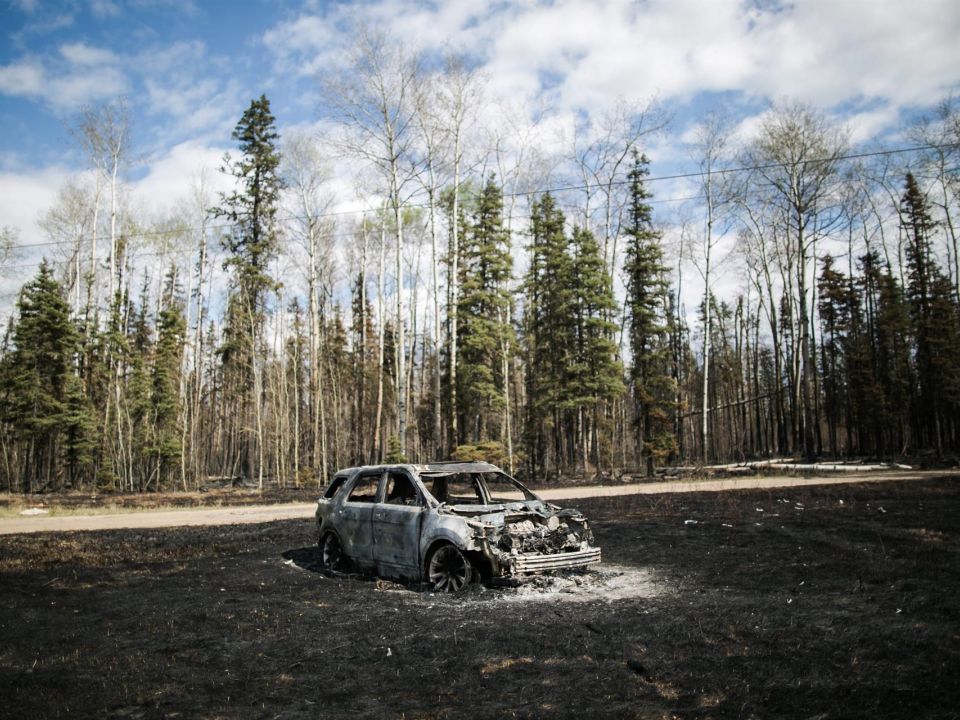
{"x":165,"y":409}
{"x":596,"y":373}
{"x":651,"y":383}
{"x":252,"y":208}
{"x":40,"y":401}
{"x":485,"y":310}
{"x":933,"y":317}
{"x":550,"y":306}
{"x":251,"y":244}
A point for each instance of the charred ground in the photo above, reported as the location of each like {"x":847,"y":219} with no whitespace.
{"x":831,"y":602}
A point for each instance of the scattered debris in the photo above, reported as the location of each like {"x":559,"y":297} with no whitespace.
{"x":605,"y":582}
{"x":34,"y":511}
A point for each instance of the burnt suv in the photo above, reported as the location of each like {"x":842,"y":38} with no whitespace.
{"x":446,"y":523}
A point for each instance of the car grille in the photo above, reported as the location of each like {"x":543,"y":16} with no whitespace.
{"x":557,"y":561}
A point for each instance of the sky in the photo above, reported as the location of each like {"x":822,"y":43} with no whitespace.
{"x":189,"y":68}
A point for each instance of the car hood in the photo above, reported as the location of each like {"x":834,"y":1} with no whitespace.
{"x":502,"y":513}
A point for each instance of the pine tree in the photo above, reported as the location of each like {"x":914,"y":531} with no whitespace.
{"x":251,"y":244}
{"x":549,"y":309}
{"x":596,"y":375}
{"x":39,"y":394}
{"x":888,"y":329}
{"x":834,"y":306}
{"x":484,"y":314}
{"x":651,"y":383}
{"x":80,"y":432}
{"x":165,"y":396}
{"x":934,"y":322}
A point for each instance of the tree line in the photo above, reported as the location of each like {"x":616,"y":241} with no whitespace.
{"x":470,"y":311}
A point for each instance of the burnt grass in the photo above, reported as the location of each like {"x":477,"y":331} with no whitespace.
{"x":831,"y":602}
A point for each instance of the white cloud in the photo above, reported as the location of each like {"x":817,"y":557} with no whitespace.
{"x":83,"y":55}
{"x":104,"y":8}
{"x":168,"y":178}
{"x":23,"y":78}
{"x":24,"y":195}
{"x":301,"y":47}
{"x":82,"y":74}
{"x":821,"y":51}
{"x":181,"y":83}
{"x":26,"y":6}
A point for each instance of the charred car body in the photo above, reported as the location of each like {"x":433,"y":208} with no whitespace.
{"x":446,"y":523}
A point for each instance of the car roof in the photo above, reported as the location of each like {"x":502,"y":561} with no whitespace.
{"x":446,"y":467}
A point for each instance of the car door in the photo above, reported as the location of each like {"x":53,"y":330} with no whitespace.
{"x":355,"y":523}
{"x":396,"y":523}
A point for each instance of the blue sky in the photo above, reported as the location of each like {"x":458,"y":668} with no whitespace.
{"x":189,"y":68}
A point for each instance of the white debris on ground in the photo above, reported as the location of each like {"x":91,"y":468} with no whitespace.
{"x":34,"y":511}
{"x":606,"y":582}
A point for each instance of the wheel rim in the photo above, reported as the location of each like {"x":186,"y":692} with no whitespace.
{"x":331,"y":554}
{"x":449,"y":570}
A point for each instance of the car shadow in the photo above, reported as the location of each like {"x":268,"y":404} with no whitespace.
{"x":308,"y":558}
{"x":305,"y":558}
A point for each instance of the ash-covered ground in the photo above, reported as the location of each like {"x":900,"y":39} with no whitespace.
{"x":833,"y":602}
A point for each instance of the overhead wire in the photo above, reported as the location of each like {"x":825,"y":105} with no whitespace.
{"x":184,"y":229}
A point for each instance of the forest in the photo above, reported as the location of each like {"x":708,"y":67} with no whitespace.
{"x":479,"y":297}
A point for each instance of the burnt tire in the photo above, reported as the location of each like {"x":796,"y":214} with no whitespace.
{"x":331,"y":553}
{"x":449,"y":570}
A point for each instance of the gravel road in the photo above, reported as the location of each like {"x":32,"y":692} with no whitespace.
{"x":268,"y":513}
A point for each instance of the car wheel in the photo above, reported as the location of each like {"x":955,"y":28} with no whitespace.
{"x":331,"y":554}
{"x":449,"y":570}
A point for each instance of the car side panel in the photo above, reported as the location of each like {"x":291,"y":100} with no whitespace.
{"x":396,"y":535}
{"x":354,"y":525}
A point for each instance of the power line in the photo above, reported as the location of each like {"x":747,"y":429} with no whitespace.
{"x":517,"y":194}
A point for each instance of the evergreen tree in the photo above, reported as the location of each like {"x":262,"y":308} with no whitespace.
{"x":550,"y":306}
{"x":135,"y":351}
{"x":39,"y":398}
{"x":484,"y":314}
{"x":252,"y":208}
{"x":596,"y":375}
{"x":934,"y":321}
{"x":888,"y":328}
{"x":251,"y":244}
{"x":80,"y":432}
{"x":651,"y":383}
{"x":834,"y":305}
{"x":165,"y":397}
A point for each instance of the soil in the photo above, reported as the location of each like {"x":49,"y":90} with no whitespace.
{"x":823,"y":602}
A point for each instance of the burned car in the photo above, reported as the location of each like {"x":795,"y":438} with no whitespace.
{"x":447,"y":524}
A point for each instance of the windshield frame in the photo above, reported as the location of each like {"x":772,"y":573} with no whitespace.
{"x":499,"y":477}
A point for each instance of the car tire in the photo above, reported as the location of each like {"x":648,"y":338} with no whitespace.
{"x":331,"y":553}
{"x":449,"y":570}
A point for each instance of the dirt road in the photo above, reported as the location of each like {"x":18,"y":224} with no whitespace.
{"x":269,"y":513}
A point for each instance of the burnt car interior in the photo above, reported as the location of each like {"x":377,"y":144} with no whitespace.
{"x":365,"y":489}
{"x":476,"y":488}
{"x":401,"y":491}
{"x":457,"y":490}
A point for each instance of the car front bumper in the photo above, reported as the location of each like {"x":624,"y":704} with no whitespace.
{"x":522,"y":564}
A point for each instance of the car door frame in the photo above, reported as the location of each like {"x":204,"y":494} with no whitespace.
{"x":397,"y":529}
{"x":355,"y":521}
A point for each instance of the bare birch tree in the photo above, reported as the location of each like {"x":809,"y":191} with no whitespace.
{"x":373,"y":99}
